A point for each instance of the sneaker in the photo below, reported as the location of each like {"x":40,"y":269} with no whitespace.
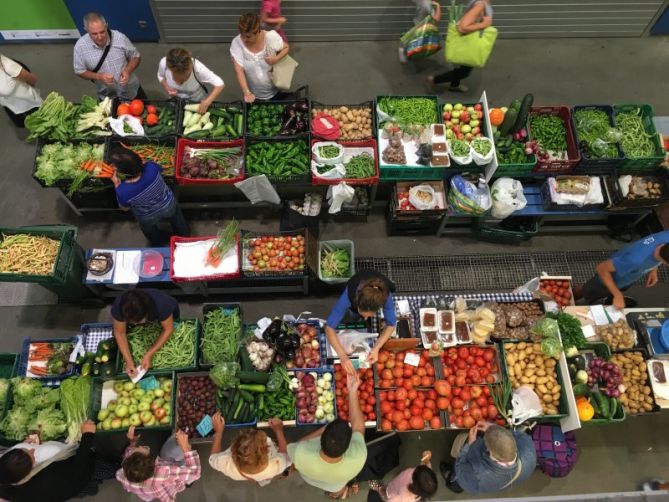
{"x":458,"y":88}
{"x":402,"y":55}
{"x":445,"y":470}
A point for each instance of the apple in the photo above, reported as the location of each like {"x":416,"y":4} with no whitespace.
{"x":132,"y":408}
{"x":106,"y":424}
{"x":456,"y":114}
{"x":111,"y":405}
{"x":449,"y":125}
{"x":447,"y":115}
{"x":448,"y":107}
{"x":134,"y":401}
{"x":390,"y":363}
{"x":461,"y":136}
{"x":144,"y":406}
{"x":474,"y":122}
{"x":159,"y":413}
{"x":167,"y":408}
{"x":449,"y":134}
{"x":135,"y":420}
{"x":145,"y":416}
{"x":157,"y":404}
{"x":464,"y":117}
{"x":122,"y":410}
{"x":146,"y":399}
{"x":476,"y":131}
{"x":137,"y":393}
{"x":125,"y":401}
{"x":128,"y":386}
{"x":125,"y":423}
{"x":466,"y":128}
{"x":118,"y":387}
{"x":124,"y":393}
{"x":103,"y":414}
{"x":152,"y":421}
{"x":455,"y":121}
{"x":165,"y":420}
{"x":504,"y":109}
{"x":470,"y":109}
{"x":469,"y":136}
{"x":478,"y":106}
{"x":159,"y":392}
{"x":166,"y":386}
{"x":116,"y":423}
{"x":458,"y":106}
{"x":149,"y":394}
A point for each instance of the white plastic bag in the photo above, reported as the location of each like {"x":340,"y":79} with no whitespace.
{"x":420,"y":203}
{"x":354,"y":341}
{"x":525,"y":405}
{"x":259,"y":189}
{"x":338,"y":195}
{"x":483,"y":160}
{"x":507,"y":197}
{"x":315,"y":150}
{"x":531,"y":287}
{"x":133,"y":122}
{"x":336,"y":172}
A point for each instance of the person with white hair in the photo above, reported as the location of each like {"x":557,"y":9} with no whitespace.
{"x":108,"y":59}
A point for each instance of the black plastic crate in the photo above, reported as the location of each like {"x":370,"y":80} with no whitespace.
{"x":600,"y":166}
{"x":549,"y":205}
{"x":305,"y":134}
{"x":411,"y":226}
{"x":616,"y":197}
{"x":240,"y":105}
{"x":65,"y":183}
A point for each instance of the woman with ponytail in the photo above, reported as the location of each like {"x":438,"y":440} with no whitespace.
{"x":366,"y":293}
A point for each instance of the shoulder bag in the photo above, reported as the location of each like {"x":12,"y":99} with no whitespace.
{"x":282,"y":73}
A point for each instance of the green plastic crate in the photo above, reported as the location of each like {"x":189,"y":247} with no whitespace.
{"x":95,"y":403}
{"x":8,"y":365}
{"x":647,"y":114}
{"x":520,"y":169}
{"x":67,"y":252}
{"x":498,"y":234}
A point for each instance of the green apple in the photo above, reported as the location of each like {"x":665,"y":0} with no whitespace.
{"x":134,"y":401}
{"x":124,"y":393}
{"x":168,"y":408}
{"x":116,"y":423}
{"x":471,"y":109}
{"x":111,"y":405}
{"x":118,"y":387}
{"x":125,"y":423}
{"x":128,"y":386}
{"x":455,"y":114}
{"x":157,"y":403}
{"x":122,"y":410}
{"x":158,"y":392}
{"x":474,"y":123}
{"x":448,"y":107}
{"x":167,"y":386}
{"x":449,"y":134}
{"x":165,"y":420}
{"x":102,"y":415}
{"x":151,"y":422}
{"x":106,"y":424}
{"x":144,"y":406}
{"x":132,"y":409}
{"x":458,"y":106}
{"x":135,"y":420}
{"x":466,"y":128}
{"x":125,"y":401}
{"x":146,"y":416}
{"x":137,"y":393}
{"x":149,"y":394}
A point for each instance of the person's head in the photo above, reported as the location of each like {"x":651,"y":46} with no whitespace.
{"x":135,"y":306}
{"x":335,"y":438}
{"x":371,"y":296}
{"x":249,"y":451}
{"x":96,"y":26}
{"x":663,"y":252}
{"x":126,"y":161}
{"x":180,"y":63}
{"x":139,"y":465}
{"x":500,"y":443}
{"x":423,"y":482}
{"x":249,"y":27}
{"x":15,"y":465}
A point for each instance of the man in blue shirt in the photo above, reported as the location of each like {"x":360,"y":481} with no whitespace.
{"x":145,"y":193}
{"x":625,"y":267}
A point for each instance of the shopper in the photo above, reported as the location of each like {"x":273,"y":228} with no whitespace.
{"x":498,"y":460}
{"x":108,"y":59}
{"x":159,"y":478}
{"x":625,"y":267}
{"x":145,"y":193}
{"x":18,"y":94}
{"x":183,"y":76}
{"x":477,"y":16}
{"x":331,"y":457}
{"x":253,"y":456}
{"x":366,"y":293}
{"x":271,"y":18}
{"x":254,"y":52}
{"x":410,"y":485}
{"x":139,"y":306}
{"x":51,"y":471}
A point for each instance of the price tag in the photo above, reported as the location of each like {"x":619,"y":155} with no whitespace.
{"x":412,"y":359}
{"x":361,"y":361}
{"x":149,"y":383}
{"x":205,"y":426}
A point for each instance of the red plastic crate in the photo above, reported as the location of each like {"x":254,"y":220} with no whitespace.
{"x":218,"y":277}
{"x":181,"y":147}
{"x":573,"y":155}
{"x":372,"y":180}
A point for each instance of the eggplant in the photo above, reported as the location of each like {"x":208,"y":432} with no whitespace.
{"x":302,"y":106}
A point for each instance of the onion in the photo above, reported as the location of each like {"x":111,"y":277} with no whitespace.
{"x":301,"y":403}
{"x":306,"y":338}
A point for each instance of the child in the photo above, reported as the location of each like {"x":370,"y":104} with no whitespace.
{"x":271,"y":18}
{"x":410,"y":485}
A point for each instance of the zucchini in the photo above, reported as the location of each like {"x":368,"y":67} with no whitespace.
{"x":602,"y":404}
{"x":613,"y":407}
{"x":515,"y":104}
{"x":509,"y":120}
{"x":521,"y":121}
{"x":253,"y":377}
{"x":246,"y":396}
{"x":245,"y":360}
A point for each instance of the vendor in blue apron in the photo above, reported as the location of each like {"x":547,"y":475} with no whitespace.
{"x":366,"y":293}
{"x":625,"y":267}
{"x":139,"y":306}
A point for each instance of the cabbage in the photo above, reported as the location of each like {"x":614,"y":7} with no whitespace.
{"x":546,"y":327}
{"x":44,"y":398}
{"x":25,"y":388}
{"x":15,"y":424}
{"x":50,"y":423}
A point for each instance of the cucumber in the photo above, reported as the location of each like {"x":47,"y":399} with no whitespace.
{"x":521,"y":120}
{"x":245,"y":360}
{"x":613,"y":407}
{"x":515,"y":104}
{"x":246,"y":396}
{"x":253,"y":377}
{"x":510,"y":118}
{"x":602,"y":404}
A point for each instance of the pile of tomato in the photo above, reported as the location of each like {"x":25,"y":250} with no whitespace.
{"x":466,"y":405}
{"x":136,"y":109}
{"x":365,"y":393}
{"x":469,"y":364}
{"x":276,"y":254}
{"x":559,"y":290}
{"x":392,"y":371}
{"x":403,"y":410}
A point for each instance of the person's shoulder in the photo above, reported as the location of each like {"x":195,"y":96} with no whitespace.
{"x":82,"y":41}
{"x":523,"y":440}
{"x":273,"y":37}
{"x":119,"y":35}
{"x":236,"y":42}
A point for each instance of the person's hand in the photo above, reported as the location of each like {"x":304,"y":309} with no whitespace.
{"x":106,"y":78}
{"x":32,"y":439}
{"x":282,"y":21}
{"x":373,"y":356}
{"x":182,"y":441}
{"x":425,"y":457}
{"x":124,"y":77}
{"x":88,"y":426}
{"x":146,"y":361}
{"x":132,"y":437}
{"x":170,"y":91}
{"x":619,"y":301}
{"x":218,"y":422}
{"x":114,"y":179}
{"x":203,"y":106}
{"x":348,"y":365}
{"x":352,"y":382}
{"x":249,"y":97}
{"x":483,"y":425}
{"x":130,"y":369}
{"x":652,"y":278}
{"x":271,"y":60}
{"x":276,"y":424}
{"x":471,"y":435}
{"x":487,"y":21}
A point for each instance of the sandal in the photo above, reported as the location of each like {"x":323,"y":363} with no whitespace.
{"x":375,"y":485}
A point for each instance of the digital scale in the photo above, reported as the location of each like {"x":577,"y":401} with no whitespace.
{"x":649,"y":325}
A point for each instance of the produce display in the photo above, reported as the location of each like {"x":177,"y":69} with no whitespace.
{"x":28,"y":254}
{"x":224,"y":122}
{"x":220,"y":335}
{"x":404,"y":204}
{"x":636,"y":141}
{"x":335,"y":262}
{"x":550,"y":137}
{"x":299,"y":345}
{"x":510,"y":133}
{"x":279,"y":400}
{"x":618,"y":335}
{"x":102,"y":361}
{"x":211,"y":163}
{"x":637,"y":396}
{"x":130,"y":405}
{"x":354,"y":122}
{"x":64,"y":161}
{"x":470,"y":365}
{"x":314,"y":397}
{"x":559,"y":290}
{"x":278,"y":159}
{"x":597,"y":139}
{"x":392,"y":371}
{"x":260,"y":353}
{"x":482,"y":146}
{"x":460,"y":148}
{"x":178,"y":351}
{"x":394,"y":152}
{"x":274,"y":119}
{"x":527,"y":365}
{"x":239,"y":405}
{"x":360,"y":166}
{"x":467,"y":405}
{"x":403,"y":410}
{"x":406,"y":110}
{"x":93,"y":118}
{"x":483,"y":320}
{"x":75,"y":393}
{"x":4,"y":390}
{"x":570,"y":330}
{"x":157,"y":120}
{"x":46,"y":359}
{"x":270,"y":253}
{"x":366,"y":396}
{"x":463,"y":122}
{"x":34,"y":408}
{"x":162,"y":155}
{"x":196,"y":398}
{"x":329,"y":151}
{"x":606,"y":375}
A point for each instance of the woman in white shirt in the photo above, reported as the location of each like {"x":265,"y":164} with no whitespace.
{"x":17,"y":90}
{"x":253,"y":456}
{"x":254,"y":52}
{"x":183,"y":76}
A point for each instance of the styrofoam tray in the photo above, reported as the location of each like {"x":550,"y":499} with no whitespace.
{"x":410,"y":148}
{"x":190,"y":258}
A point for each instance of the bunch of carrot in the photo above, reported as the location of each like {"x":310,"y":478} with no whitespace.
{"x":98,"y":169}
{"x":41,"y":351}
{"x":40,"y":371}
{"x":162,"y":155}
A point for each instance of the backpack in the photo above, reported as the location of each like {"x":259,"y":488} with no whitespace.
{"x":556,"y":451}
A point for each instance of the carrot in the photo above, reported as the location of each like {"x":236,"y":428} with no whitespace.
{"x":38,"y":370}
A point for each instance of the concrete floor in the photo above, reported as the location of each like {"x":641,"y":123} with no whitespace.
{"x":578,"y":71}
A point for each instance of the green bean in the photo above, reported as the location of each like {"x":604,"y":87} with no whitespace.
{"x":418,"y":111}
{"x":549,"y":131}
{"x":636,"y":142}
{"x":460,"y":148}
{"x":220,"y":338}
{"x":360,"y":166}
{"x":177,"y":352}
{"x":593,"y":125}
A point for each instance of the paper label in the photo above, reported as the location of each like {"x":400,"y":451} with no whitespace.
{"x":412,"y":359}
{"x":138,"y":376}
{"x":205,"y":426}
{"x":362,"y":361}
{"x":589,"y":331}
{"x":599,"y":315}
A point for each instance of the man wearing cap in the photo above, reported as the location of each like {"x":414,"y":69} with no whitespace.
{"x":498,"y":460}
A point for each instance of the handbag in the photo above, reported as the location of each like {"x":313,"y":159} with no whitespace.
{"x":282,"y":73}
{"x":422,"y":40}
{"x":469,"y":49}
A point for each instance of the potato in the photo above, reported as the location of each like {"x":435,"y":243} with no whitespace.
{"x":547,"y":398}
{"x":542,"y":388}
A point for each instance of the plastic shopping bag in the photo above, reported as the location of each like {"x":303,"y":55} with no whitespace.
{"x":507,"y":197}
{"x":338,"y":195}
{"x":471,"y":49}
{"x":117,"y":125}
{"x":422,"y":40}
{"x":259,"y":189}
{"x":525,"y":405}
{"x":422,"y":197}
{"x":335,"y":172}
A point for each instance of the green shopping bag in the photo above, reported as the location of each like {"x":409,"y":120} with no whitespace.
{"x":471,"y":49}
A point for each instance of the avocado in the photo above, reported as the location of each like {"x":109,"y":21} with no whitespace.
{"x":580,"y":362}
{"x":581,"y":390}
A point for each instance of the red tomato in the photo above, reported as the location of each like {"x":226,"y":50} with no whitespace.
{"x":400,"y":405}
{"x":492,"y":411}
{"x":407,"y":414}
{"x":443,"y":403}
{"x":123,"y":109}
{"x":416,"y":380}
{"x":432,"y":394}
{"x":468,"y":422}
{"x":480,"y":362}
{"x":463,"y":352}
{"x":371,"y":416}
{"x":385,"y":407}
{"x":427,"y":414}
{"x":458,"y":403}
{"x":403,"y":426}
{"x":461,"y":364}
{"x":451,"y":379}
{"x":398,"y":416}
{"x":383,"y":395}
{"x":415,"y":411}
{"x":481,"y":401}
{"x":435,"y":422}
{"x":460,"y":381}
{"x":459,"y":423}
{"x":408,"y":372}
{"x":465,"y":395}
{"x":400,"y":394}
{"x":431,"y":404}
{"x":387,"y":375}
{"x":136,"y":107}
{"x":476,"y":414}
{"x":442,"y":387}
{"x":417,"y":423}
{"x":426,"y":381}
{"x":412,"y":394}
{"x":408,"y":385}
{"x":399,"y":382}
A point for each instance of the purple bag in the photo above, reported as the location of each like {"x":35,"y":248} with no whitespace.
{"x":556,"y":451}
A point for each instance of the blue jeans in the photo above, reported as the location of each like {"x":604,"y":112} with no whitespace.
{"x":157,"y":237}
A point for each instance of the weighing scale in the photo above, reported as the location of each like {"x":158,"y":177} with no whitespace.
{"x":649,"y":325}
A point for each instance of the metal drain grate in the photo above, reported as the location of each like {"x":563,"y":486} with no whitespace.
{"x":485,"y":272}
